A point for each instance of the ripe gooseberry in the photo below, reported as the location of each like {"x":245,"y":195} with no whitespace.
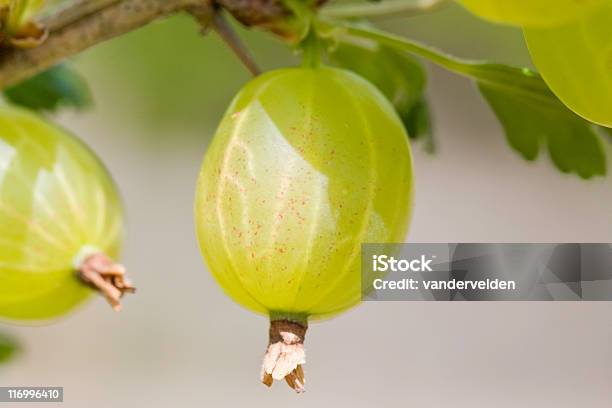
{"x":531,"y":13}
{"x":575,"y":61}
{"x":306,"y":165}
{"x":61,"y":221}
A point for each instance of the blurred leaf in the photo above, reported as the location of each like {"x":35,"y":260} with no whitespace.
{"x":400,"y":77}
{"x":51,"y":90}
{"x":573,"y":143}
{"x":419,"y":123}
{"x":8,"y":348}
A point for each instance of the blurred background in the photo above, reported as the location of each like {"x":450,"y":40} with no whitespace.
{"x":159,"y":93}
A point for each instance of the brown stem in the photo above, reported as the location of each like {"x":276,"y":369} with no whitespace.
{"x":110,"y":20}
{"x":222,"y":27}
{"x":285,"y":354}
{"x":107,"y":277}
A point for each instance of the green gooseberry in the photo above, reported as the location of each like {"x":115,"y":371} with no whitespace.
{"x":530,"y":13}
{"x":61,"y":221}
{"x":306,"y":165}
{"x":575,"y":60}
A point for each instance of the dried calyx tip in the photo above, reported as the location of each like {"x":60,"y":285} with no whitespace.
{"x":285,"y":354}
{"x":107,"y":277}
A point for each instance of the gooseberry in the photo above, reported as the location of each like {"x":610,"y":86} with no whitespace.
{"x":531,"y":13}
{"x":61,"y":221}
{"x":306,"y":165}
{"x":575,"y":61}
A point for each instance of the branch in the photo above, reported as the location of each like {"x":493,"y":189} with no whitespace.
{"x":84,"y":24}
{"x":222,"y":27}
{"x":520,"y":81}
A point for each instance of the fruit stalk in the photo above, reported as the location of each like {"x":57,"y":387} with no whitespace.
{"x":285,"y":354}
{"x":107,"y":277}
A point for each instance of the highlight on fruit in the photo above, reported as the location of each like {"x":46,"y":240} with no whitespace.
{"x":61,"y":220}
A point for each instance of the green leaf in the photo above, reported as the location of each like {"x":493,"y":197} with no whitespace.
{"x":531,"y":115}
{"x":51,"y":90}
{"x":525,"y":137}
{"x":400,"y":77}
{"x":573,"y":143}
{"x":8,"y":348}
{"x":528,"y":110}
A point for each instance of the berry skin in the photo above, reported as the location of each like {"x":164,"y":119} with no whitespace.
{"x":306,"y":165}
{"x":60,"y":213}
{"x":531,"y":13}
{"x":575,"y":60}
